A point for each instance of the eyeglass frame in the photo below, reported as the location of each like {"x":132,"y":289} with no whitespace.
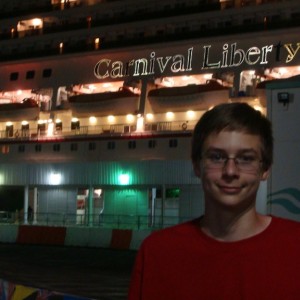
{"x":220,"y":165}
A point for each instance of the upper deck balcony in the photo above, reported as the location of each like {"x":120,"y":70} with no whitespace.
{"x":111,"y":25}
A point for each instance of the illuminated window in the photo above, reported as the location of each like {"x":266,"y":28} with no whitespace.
{"x":9,"y":129}
{"x":75,"y":124}
{"x":25,"y":129}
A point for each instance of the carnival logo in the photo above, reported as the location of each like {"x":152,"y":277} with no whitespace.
{"x":144,"y":66}
{"x":207,"y":57}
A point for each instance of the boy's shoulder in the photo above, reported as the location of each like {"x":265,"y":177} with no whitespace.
{"x":285,"y":227}
{"x":173,"y":233}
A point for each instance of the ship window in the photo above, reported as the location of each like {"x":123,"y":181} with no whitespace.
{"x":151,"y":144}
{"x":30,"y":74}
{"x":92,"y":146}
{"x":9,"y":130}
{"x":173,"y":143}
{"x":42,"y":128}
{"x":25,"y":130}
{"x":74,"y":147}
{"x":56,"y":147}
{"x":21,"y":148}
{"x":38,"y":148}
{"x":47,"y":73}
{"x":132,"y":144}
{"x":14,"y":76}
{"x":75,"y":124}
{"x":111,"y":145}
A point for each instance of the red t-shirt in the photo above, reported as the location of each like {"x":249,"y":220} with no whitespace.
{"x":182,"y":263}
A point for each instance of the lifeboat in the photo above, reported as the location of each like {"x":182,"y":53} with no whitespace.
{"x":121,"y":102}
{"x":190,"y":97}
{"x":28,"y":109}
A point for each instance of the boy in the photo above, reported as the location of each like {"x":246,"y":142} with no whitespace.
{"x":232,"y":251}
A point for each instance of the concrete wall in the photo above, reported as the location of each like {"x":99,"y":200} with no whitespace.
{"x":73,"y":236}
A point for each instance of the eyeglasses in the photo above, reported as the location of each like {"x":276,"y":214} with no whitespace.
{"x":244,"y":162}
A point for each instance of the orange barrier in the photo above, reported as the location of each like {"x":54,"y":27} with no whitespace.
{"x":41,"y":235}
{"x":73,"y":236}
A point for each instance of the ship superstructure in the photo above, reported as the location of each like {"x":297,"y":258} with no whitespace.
{"x":98,"y":99}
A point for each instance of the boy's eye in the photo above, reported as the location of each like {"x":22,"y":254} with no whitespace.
{"x":216,"y":157}
{"x":245,"y":158}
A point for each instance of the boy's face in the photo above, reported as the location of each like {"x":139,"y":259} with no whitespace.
{"x":231,"y":183}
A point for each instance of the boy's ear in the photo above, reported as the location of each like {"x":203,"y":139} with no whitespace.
{"x":265,"y":174}
{"x":196,"y":167}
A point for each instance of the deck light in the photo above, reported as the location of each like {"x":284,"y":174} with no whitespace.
{"x":190,"y":114}
{"x":149,"y":116}
{"x":111,"y":119}
{"x":124,"y":179}
{"x":170,"y":115}
{"x":55,"y":178}
{"x":130,"y":118}
{"x":93,"y":120}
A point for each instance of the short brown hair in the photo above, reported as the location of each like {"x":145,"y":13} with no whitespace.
{"x":234,"y":117}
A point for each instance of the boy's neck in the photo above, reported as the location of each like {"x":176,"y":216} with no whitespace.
{"x":228,"y":227}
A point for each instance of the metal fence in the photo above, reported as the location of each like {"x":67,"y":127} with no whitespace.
{"x":35,"y":134}
{"x":137,"y":222}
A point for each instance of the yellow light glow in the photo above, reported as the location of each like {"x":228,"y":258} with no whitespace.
{"x":93,"y":120}
{"x":170,"y":115}
{"x":111,"y":119}
{"x":140,"y":124}
{"x":190,"y":114}
{"x":149,"y":116}
{"x":130,"y":118}
{"x":107,"y":85}
{"x":58,"y":121}
{"x":208,"y":76}
{"x":74,"y":120}
{"x":8,"y":123}
{"x":258,"y":107}
{"x":36,"y":22}
{"x":50,"y":129}
{"x":185,"y":78}
{"x":24,"y":123}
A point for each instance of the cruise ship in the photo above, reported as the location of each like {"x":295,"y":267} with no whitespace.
{"x":98,"y":100}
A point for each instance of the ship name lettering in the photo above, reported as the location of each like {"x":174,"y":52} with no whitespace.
{"x":234,"y":57}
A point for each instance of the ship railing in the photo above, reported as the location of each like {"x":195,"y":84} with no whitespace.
{"x":118,"y":221}
{"x":115,"y":129}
